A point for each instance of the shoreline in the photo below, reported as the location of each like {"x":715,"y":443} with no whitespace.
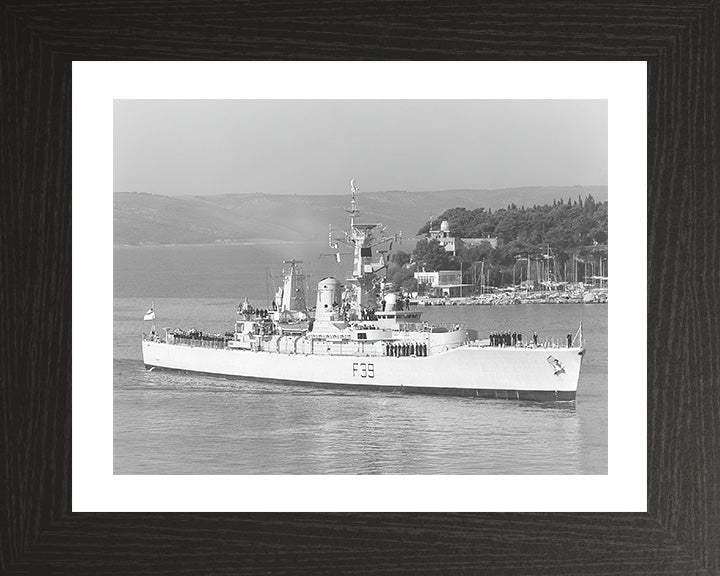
{"x":514,"y":300}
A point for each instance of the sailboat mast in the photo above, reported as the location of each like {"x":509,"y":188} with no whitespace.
{"x":527,"y":280}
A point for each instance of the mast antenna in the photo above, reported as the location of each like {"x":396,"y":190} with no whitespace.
{"x":353,"y":202}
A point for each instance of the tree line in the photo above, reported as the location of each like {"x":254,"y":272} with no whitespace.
{"x":565,"y":241}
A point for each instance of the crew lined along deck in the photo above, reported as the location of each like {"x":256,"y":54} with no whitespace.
{"x":324,"y":347}
{"x":196,"y":338}
{"x":406,"y":349}
{"x":298,"y":344}
{"x":294,"y":344}
{"x":515,"y":340}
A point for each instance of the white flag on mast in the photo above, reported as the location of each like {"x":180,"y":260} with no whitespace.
{"x":150,"y":314}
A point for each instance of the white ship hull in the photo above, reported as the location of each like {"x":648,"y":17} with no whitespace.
{"x":484,"y":371}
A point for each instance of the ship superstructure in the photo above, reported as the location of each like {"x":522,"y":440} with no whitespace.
{"x":364,"y":334}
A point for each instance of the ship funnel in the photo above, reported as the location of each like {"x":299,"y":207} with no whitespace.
{"x":390,"y":302}
{"x":328,"y":299}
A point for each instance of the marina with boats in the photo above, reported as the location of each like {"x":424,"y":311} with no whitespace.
{"x":511,"y":297}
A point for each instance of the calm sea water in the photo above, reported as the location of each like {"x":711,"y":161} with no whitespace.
{"x":168,"y":423}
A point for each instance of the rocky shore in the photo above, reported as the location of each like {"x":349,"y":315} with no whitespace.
{"x":598,"y":296}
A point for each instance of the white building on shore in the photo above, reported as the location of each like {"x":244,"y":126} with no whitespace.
{"x":442,"y":282}
{"x":452,"y":243}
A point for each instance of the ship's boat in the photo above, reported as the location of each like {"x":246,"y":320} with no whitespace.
{"x":364,"y":335}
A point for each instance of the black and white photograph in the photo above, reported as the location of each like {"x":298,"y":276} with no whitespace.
{"x":325,"y":288}
{"x":360,"y":287}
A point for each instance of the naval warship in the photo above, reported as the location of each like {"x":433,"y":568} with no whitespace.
{"x":363,"y":334}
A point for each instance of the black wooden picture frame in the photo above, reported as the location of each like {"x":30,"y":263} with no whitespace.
{"x":680,"y":533}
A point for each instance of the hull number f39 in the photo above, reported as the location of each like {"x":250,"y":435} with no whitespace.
{"x":363,"y":370}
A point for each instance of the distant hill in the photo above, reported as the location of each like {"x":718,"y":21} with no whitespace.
{"x":151,"y":219}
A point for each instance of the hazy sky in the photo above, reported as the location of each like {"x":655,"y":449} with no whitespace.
{"x":315,"y":146}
